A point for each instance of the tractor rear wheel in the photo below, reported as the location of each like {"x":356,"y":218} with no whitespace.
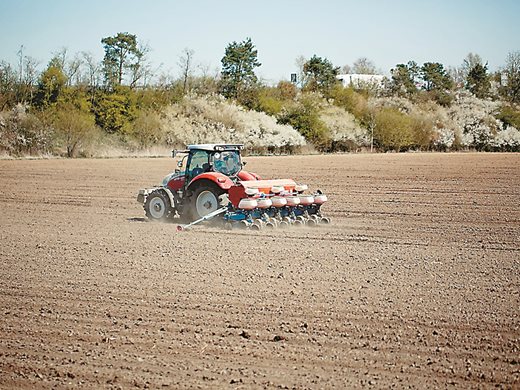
{"x":205,"y":200}
{"x":157,"y":206}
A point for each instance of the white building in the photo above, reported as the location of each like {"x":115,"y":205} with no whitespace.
{"x":361,"y":80}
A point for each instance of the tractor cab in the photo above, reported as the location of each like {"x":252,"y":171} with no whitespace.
{"x":205,"y":158}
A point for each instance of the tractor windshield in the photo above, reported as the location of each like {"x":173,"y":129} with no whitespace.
{"x":227,"y":163}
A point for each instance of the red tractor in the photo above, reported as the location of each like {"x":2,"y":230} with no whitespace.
{"x":209,"y":181}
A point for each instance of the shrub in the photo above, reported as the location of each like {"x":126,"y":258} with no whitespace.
{"x":116,"y":111}
{"x":215,"y":120}
{"x":507,"y":140}
{"x":509,"y":116}
{"x":158,"y":97}
{"x":393,"y":130}
{"x":287,"y":90}
{"x":75,"y":129}
{"x":269,"y":103}
{"x":350,"y":100}
{"x":23,"y":133}
{"x":398,"y":103}
{"x":304,"y":116}
{"x":345,"y":131}
{"x":423,"y":133}
{"x":147,"y":129}
{"x":444,"y":139}
{"x":272,"y":100}
{"x":474,"y":121}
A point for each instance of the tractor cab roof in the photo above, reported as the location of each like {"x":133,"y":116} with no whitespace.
{"x":215,"y":147}
{"x":209,"y":148}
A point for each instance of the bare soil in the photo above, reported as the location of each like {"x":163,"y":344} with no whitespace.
{"x":414,"y":284}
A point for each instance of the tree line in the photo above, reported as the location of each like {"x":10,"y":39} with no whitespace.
{"x":77,"y":98}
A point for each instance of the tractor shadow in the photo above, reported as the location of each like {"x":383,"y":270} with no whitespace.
{"x":175,"y":220}
{"x":137,"y":219}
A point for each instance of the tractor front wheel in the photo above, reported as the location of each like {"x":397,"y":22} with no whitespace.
{"x":157,"y":206}
{"x":205,"y":200}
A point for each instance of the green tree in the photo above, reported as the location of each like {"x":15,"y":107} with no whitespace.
{"x":478,"y":81}
{"x":459,"y":74}
{"x":121,"y":55}
{"x":238,"y":70}
{"x":116,"y":111}
{"x":320,"y":75}
{"x":511,"y":78}
{"x":469,"y":63}
{"x":437,"y":82}
{"x":52,"y":81}
{"x":404,"y":79}
{"x":435,"y":77}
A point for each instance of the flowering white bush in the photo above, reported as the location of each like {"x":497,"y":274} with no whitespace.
{"x":343,"y":126}
{"x":469,"y":122}
{"x":473,"y":120}
{"x":507,"y":140}
{"x":445,"y":138}
{"x":401,"y":104}
{"x":215,"y":120}
{"x":22,"y":133}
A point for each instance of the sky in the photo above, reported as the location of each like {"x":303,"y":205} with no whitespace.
{"x":386,"y":32}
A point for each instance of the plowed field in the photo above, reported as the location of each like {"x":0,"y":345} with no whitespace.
{"x":415,"y":283}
